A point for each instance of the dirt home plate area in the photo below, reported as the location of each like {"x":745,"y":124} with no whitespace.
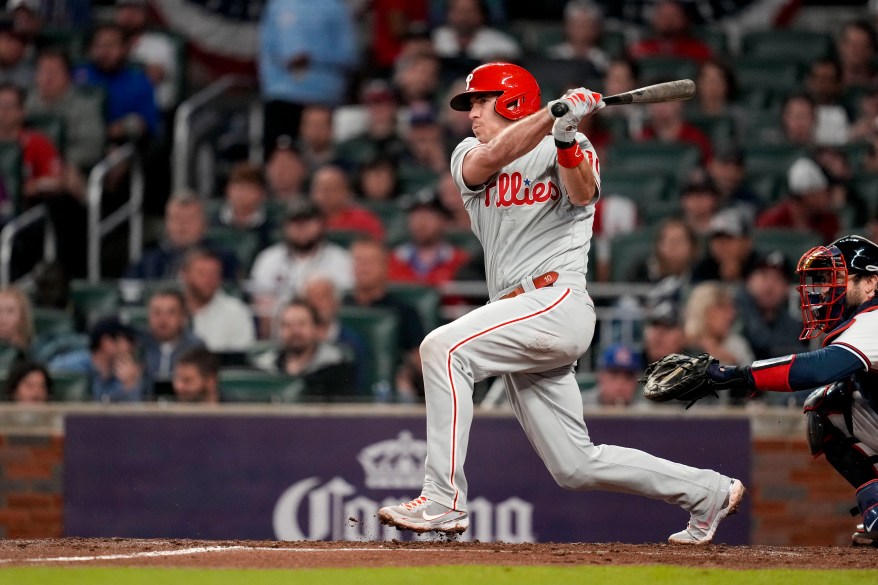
{"x":119,"y":552}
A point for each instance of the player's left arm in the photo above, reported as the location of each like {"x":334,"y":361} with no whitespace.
{"x":580,"y":181}
{"x":577,"y":167}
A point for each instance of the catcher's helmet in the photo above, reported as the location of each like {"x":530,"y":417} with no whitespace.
{"x":519,"y":91}
{"x":823,"y":272}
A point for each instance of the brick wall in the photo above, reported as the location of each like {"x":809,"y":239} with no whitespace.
{"x":31,"y":486}
{"x":796,"y":500}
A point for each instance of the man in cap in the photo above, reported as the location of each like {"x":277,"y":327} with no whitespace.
{"x":618,"y":368}
{"x":808,"y":207}
{"x":730,"y":255}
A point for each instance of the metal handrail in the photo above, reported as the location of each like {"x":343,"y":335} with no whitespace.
{"x":131,"y":210}
{"x":182,"y":146}
{"x":14,"y":227}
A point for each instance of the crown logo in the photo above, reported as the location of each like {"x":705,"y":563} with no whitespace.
{"x":394,"y":463}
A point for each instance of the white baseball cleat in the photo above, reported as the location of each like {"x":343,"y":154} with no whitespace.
{"x":700,"y":532}
{"x":423,"y":515}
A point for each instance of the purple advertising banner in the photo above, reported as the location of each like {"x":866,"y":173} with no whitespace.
{"x":298,"y":477}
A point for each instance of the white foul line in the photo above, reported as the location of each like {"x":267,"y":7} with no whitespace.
{"x":198,"y":550}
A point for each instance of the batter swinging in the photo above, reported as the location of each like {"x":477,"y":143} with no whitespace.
{"x":531,"y":199}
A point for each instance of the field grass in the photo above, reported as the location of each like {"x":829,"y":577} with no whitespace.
{"x":441,"y":575}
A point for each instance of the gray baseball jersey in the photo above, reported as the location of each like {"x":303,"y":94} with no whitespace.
{"x":523,"y":218}
{"x":528,"y":227}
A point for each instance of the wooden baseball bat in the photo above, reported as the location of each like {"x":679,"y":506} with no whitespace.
{"x":669,"y":91}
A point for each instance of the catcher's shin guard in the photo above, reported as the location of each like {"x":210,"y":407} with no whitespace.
{"x":845,"y":453}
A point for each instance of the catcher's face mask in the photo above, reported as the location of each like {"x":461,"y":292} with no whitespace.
{"x":823,"y":280}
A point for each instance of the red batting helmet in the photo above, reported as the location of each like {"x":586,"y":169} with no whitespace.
{"x":519,"y":91}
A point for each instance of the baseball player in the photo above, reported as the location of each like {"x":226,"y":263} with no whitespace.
{"x":837,"y":289}
{"x":529,"y":183}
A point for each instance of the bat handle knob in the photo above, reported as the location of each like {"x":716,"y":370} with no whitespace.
{"x":558,"y":109}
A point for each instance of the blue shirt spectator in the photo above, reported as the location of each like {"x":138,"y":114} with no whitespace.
{"x":167,"y":338}
{"x":306,"y":50}
{"x":131,"y":110}
{"x":112,"y":370}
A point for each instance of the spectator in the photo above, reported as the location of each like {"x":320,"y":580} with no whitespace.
{"x":726,"y":172}
{"x":131,"y":112}
{"x":710,"y":316}
{"x":583,"y":27}
{"x":280,"y":271}
{"x":196,"y":376}
{"x":618,"y":369}
{"x":451,"y":200}
{"x":798,"y":121}
{"x":730,"y":256}
{"x":15,"y":66}
{"x":623,"y":75}
{"x":307,"y":49}
{"x":315,"y":136}
{"x":663,"y":332}
{"x":29,"y":383}
{"x":381,"y":138}
{"x":456,"y":124}
{"x":614,"y":215}
{"x":424,"y":139}
{"x":110,"y":362}
{"x":244,"y":207}
{"x":152,"y":49}
{"x":286,"y":171}
{"x":378,"y":180}
{"x":42,"y":168}
{"x":427,"y":257}
{"x":824,"y":83}
{"x":674,"y":254}
{"x":808,"y":206}
{"x":370,"y":259}
{"x":166,"y":338}
{"x":223,"y":322}
{"x":391,"y":22}
{"x":856,"y":52}
{"x":466,"y":34}
{"x":666,"y":124}
{"x":700,"y":201}
{"x":417,"y":78}
{"x":328,"y":371}
{"x":323,"y":295}
{"x":331,"y":193}
{"x":16,"y":320}
{"x":717,"y":87}
{"x":671,"y":35}
{"x":26,"y":18}
{"x":763,"y":309}
{"x":84,"y":133}
{"x":865,"y":127}
{"x":185,"y":227}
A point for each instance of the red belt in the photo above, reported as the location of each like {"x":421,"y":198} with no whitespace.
{"x":541,"y":281}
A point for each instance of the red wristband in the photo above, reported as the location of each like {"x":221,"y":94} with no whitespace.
{"x":570,"y":157}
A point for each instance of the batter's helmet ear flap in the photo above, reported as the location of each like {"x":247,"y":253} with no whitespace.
{"x":519,"y":92}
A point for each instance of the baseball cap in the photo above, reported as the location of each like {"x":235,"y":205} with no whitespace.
{"x":378,"y":91}
{"x":665,"y":313}
{"x":426,"y":198}
{"x":728,"y":222}
{"x":774,"y":260}
{"x":112,"y":326}
{"x":302,"y":209}
{"x":806,"y":177}
{"x":620,"y":357}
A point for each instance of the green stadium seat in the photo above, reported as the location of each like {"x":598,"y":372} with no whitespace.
{"x":769,"y":187}
{"x":856,"y":153}
{"x":587,"y":381}
{"x":792,"y":243}
{"x":774,"y":77}
{"x":642,"y":188}
{"x":55,"y":345}
{"x":392,"y":216}
{"x":654,"y":212}
{"x":714,"y":37}
{"x":92,"y":299}
{"x":613,"y":43}
{"x":655,"y":69}
{"x":412,"y":178}
{"x":761,"y":123}
{"x":379,"y":329}
{"x":245,"y":385}
{"x":136,"y":316}
{"x":423,"y":298}
{"x":345,"y":238}
{"x":52,"y":321}
{"x":244,"y":243}
{"x":466,"y":240}
{"x":8,"y":356}
{"x":798,"y":46}
{"x":720,"y":129}
{"x":673,"y":160}
{"x":11,"y":171}
{"x":71,"y":387}
{"x":776,"y":159}
{"x":866,"y":187}
{"x":628,"y":250}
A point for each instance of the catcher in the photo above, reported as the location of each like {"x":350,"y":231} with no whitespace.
{"x":837,"y":289}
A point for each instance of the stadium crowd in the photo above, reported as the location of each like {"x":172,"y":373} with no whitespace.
{"x":314,"y":274}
